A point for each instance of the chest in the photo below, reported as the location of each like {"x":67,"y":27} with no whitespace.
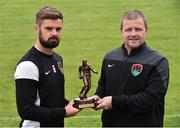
{"x":126,"y":77}
{"x":51,"y":76}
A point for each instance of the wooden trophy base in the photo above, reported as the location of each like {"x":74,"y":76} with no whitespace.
{"x":85,"y":103}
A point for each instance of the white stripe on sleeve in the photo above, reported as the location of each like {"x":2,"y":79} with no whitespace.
{"x":27,"y":70}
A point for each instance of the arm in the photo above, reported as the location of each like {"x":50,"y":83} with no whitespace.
{"x":27,"y":98}
{"x":94,"y":71}
{"x":79,"y":71}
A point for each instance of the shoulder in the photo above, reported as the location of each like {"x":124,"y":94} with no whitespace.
{"x":26,"y":70}
{"x":114,"y":54}
{"x":58,"y":59}
{"x":153,"y":56}
{"x":161,"y":64}
{"x":28,"y":66}
{"x":57,"y":56}
{"x":31,"y":55}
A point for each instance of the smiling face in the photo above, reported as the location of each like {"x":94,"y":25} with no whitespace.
{"x":134,"y":33}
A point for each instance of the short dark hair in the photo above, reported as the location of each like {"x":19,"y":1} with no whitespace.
{"x":48,"y":12}
{"x":132,"y":15}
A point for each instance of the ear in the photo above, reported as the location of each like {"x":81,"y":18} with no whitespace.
{"x":121,"y":32}
{"x":146,"y":29}
{"x":36,"y":28}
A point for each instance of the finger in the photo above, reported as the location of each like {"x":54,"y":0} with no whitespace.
{"x":99,"y":101}
{"x":100,"y":106}
{"x":71,"y":103}
{"x":96,"y":98}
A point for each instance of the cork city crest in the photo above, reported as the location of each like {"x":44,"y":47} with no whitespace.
{"x":60,"y":67}
{"x":136,"y":69}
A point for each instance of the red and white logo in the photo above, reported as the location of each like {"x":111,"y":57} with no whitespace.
{"x":59,"y":64}
{"x":136,"y":69}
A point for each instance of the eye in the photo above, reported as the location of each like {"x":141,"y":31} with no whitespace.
{"x":138,"y":29}
{"x":128,"y":30}
{"x":58,"y":29}
{"x":49,"y":28}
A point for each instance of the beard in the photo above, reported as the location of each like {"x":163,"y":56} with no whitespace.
{"x":52,"y":42}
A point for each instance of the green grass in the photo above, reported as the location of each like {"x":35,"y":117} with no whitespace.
{"x":91,"y":28}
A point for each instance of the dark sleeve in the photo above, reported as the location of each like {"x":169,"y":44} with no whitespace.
{"x":26,"y":96}
{"x":66,"y":101}
{"x":101,"y":89}
{"x":154,"y":94}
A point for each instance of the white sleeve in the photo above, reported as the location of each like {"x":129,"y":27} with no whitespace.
{"x":27,"y":70}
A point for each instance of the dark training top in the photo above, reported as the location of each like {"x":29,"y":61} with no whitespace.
{"x":137,"y":83}
{"x":40,"y":89}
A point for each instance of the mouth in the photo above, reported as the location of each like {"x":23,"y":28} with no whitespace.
{"x":53,"y":39}
{"x":133,"y":40}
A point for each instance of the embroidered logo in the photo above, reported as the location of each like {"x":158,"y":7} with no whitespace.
{"x":136,"y":69}
{"x":46,"y":73}
{"x":59,"y":64}
{"x":110,"y":65}
{"x":54,"y":69}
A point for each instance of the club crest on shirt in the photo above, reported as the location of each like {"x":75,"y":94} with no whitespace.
{"x":136,"y":69}
{"x":59,"y":64}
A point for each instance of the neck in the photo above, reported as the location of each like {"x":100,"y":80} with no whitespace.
{"x":48,"y":51}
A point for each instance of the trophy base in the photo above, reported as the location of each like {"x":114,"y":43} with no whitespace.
{"x":85,"y":103}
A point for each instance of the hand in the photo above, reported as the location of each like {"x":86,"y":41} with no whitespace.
{"x":96,"y":98}
{"x":94,"y":71}
{"x":105,"y":103}
{"x":70,"y":110}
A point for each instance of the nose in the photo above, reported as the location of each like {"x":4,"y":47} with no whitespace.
{"x":54,"y":32}
{"x":133,"y":32}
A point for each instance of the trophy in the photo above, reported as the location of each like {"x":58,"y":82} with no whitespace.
{"x":85,"y":74}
